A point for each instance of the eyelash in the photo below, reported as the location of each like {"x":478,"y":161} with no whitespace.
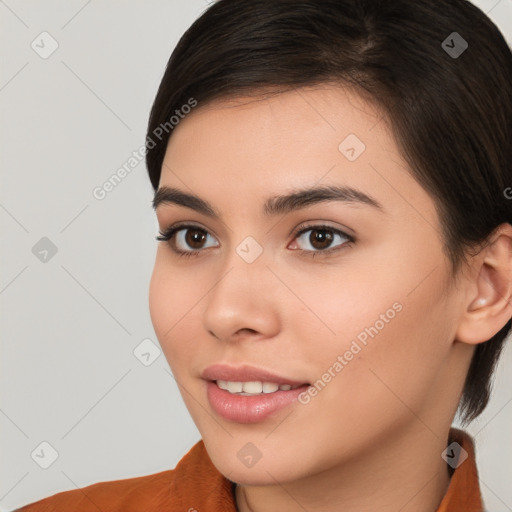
{"x":168,"y":234}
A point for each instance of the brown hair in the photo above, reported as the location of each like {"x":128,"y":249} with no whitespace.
{"x":451,"y":112}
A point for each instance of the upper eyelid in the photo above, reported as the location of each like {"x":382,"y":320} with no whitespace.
{"x":303,"y":226}
{"x":186,"y":225}
{"x":303,"y":211}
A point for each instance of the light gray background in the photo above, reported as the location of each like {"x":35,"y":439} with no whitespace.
{"x":69,"y":326}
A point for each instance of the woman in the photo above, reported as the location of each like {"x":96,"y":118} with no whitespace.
{"x":334,"y":273}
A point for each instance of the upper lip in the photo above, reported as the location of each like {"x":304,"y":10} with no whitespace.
{"x":245,"y":373}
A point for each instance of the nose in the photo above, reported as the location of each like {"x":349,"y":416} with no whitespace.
{"x":243,"y":301}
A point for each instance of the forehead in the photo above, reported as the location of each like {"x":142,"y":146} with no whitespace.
{"x":246,"y":149}
{"x":278,"y":131}
{"x":337,"y":109}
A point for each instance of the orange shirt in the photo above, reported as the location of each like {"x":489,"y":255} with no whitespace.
{"x":195,"y":485}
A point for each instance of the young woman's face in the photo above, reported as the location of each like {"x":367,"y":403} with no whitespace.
{"x":350,"y":295}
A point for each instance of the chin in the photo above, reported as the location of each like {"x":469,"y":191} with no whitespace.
{"x":274,"y":465}
{"x":255,"y":476}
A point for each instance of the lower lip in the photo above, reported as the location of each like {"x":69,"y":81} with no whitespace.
{"x":249,"y":409}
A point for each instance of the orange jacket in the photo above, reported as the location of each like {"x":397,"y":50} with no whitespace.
{"x":195,"y":485}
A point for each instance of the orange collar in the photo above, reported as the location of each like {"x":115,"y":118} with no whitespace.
{"x":463,"y":494}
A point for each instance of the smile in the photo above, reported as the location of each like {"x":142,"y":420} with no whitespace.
{"x":253,"y":388}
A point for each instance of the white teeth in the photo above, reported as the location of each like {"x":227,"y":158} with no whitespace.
{"x":235,"y":387}
{"x":232,"y":387}
{"x":252,"y":387}
{"x":270,"y":387}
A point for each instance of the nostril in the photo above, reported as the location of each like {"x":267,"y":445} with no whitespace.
{"x":246,"y":329}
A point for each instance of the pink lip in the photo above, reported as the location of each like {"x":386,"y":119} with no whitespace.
{"x":248,"y":409}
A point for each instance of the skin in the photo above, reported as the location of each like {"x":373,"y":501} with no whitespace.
{"x":372,"y":438}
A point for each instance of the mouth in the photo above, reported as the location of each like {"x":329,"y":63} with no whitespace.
{"x":254,"y":388}
{"x":247,"y":394}
{"x":248,"y":379}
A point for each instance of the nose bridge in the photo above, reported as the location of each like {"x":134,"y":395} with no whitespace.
{"x":246,"y":255}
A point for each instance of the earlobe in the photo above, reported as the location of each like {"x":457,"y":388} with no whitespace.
{"x":489,"y":305}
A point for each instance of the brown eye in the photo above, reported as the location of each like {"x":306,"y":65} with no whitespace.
{"x":185,"y":239}
{"x":321,"y":239}
{"x":194,"y":238}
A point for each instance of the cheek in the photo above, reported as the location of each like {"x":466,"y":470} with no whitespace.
{"x":391,"y":356}
{"x":171,"y":305}
{"x":160,"y":299}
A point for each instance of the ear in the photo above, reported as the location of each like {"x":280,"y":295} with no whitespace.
{"x":488,"y":304}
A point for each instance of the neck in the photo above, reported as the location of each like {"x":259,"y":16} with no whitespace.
{"x":405,"y":472}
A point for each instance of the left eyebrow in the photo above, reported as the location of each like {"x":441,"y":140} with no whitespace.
{"x":275,"y":205}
